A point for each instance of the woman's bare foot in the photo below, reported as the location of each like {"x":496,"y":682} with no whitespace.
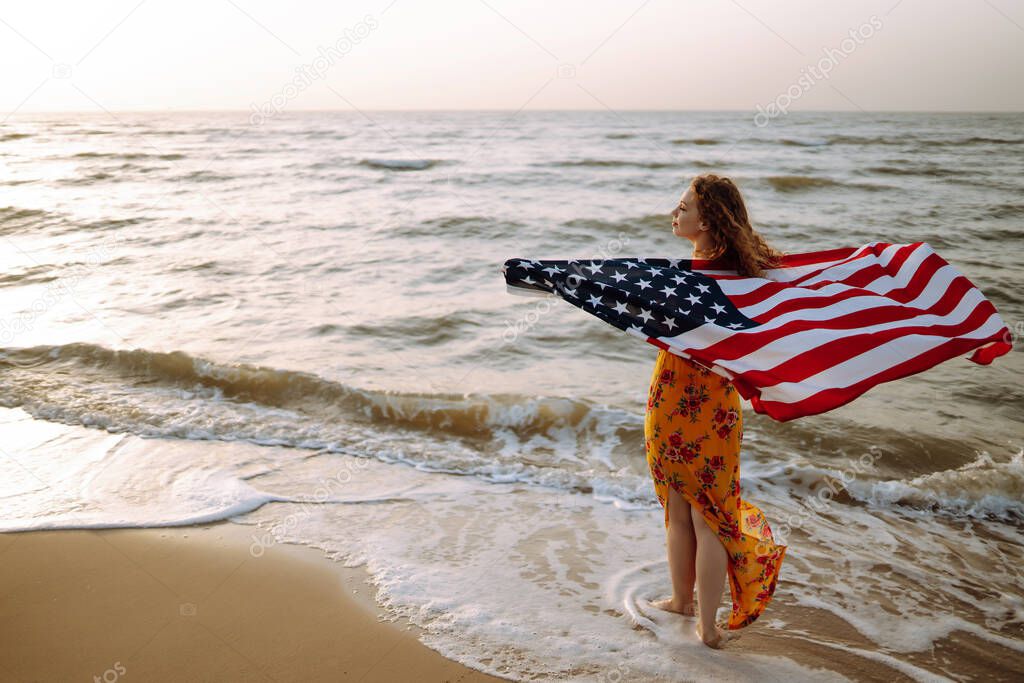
{"x":717,"y":639}
{"x":671,"y":605}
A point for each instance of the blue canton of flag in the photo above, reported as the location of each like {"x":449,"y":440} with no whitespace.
{"x":649,"y":297}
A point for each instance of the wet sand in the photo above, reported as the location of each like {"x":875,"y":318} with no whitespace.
{"x":192,"y":603}
{"x":822,"y":640}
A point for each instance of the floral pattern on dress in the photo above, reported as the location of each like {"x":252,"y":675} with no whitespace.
{"x":693,"y":431}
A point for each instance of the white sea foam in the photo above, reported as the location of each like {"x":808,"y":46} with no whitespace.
{"x":513,"y":578}
{"x":984,"y":487}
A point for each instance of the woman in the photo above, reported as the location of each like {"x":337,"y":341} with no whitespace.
{"x":692,"y":431}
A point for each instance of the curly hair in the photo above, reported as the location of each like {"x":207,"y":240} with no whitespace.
{"x":721,"y":205}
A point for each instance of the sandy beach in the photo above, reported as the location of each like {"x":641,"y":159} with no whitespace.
{"x":193,"y":604}
{"x":229,"y":600}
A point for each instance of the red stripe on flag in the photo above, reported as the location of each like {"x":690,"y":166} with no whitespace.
{"x":833,"y":398}
{"x":832,"y":353}
{"x":747,"y":342}
{"x":917,"y":284}
{"x":871,"y":272}
{"x":786,"y":261}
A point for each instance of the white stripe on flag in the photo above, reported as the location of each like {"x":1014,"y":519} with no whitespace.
{"x":793,"y":272}
{"x":937,"y":287}
{"x":846,"y":270}
{"x":904,"y":275}
{"x":870,"y":363}
{"x":772,"y":354}
{"x":772,"y":276}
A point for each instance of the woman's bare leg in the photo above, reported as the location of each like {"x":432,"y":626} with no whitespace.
{"x":712,"y":563}
{"x":682,"y":547}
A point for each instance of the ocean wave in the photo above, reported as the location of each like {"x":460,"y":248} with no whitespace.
{"x":1007,"y":210}
{"x":326,"y":135}
{"x":89,"y":178}
{"x":982,"y":488}
{"x":867,"y":140}
{"x":7,"y":137}
{"x":466,"y":226}
{"x":610,"y":163}
{"x":13,"y":218}
{"x":789,"y":142}
{"x":899,"y":169}
{"x":455,"y":415}
{"x":13,"y":213}
{"x":128,"y":167}
{"x":130,"y":156}
{"x":204,"y":176}
{"x":457,"y":226}
{"x":695,"y":141}
{"x":825,"y":141}
{"x":638,"y":225}
{"x":421,"y":331}
{"x":400,"y":164}
{"x":977,"y":140}
{"x":169,"y":132}
{"x":795,"y":183}
{"x":987,"y":233}
{"x":877,"y":140}
{"x":33,"y":275}
{"x":619,"y":136}
{"x":558,"y":442}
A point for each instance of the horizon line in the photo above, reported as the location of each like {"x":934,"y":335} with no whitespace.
{"x":510,"y":110}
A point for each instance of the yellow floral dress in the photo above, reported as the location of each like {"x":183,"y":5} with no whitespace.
{"x":692,"y":433}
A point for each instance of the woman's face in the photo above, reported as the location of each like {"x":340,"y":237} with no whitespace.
{"x":685,"y":219}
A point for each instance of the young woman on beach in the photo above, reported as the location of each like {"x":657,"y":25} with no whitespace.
{"x":693,"y":430}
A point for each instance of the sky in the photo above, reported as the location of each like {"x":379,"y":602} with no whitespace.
{"x":259,"y":55}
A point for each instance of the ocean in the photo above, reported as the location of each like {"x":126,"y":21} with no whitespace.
{"x":300,"y":324}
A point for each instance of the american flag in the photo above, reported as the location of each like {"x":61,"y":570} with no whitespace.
{"x":813,"y":334}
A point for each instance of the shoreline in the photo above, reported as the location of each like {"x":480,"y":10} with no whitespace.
{"x":194,"y":603}
{"x":191,"y":603}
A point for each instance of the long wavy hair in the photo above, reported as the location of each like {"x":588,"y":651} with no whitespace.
{"x":721,"y":205}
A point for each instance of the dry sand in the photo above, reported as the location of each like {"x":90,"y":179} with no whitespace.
{"x":193,"y":604}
